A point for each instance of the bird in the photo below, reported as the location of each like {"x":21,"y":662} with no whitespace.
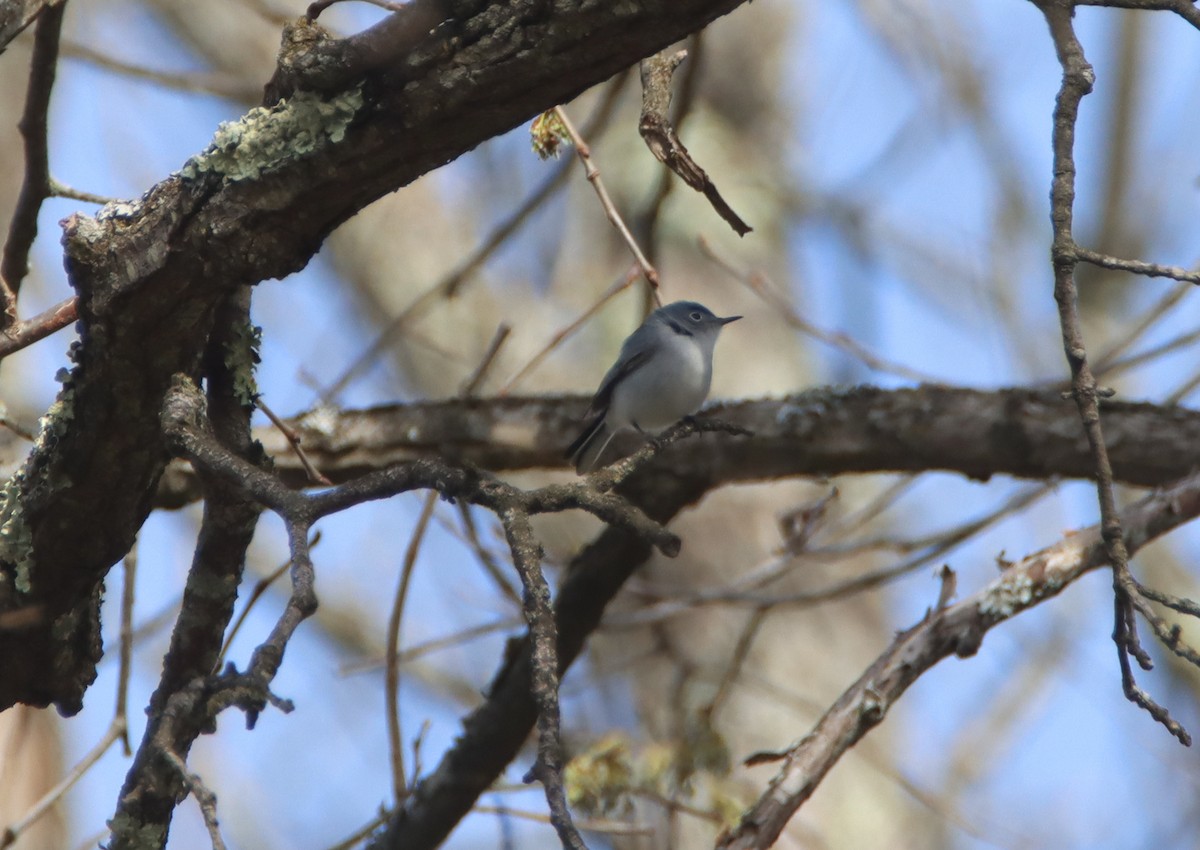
{"x":661,"y":375}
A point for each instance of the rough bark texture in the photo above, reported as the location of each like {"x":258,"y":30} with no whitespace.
{"x":394,"y":103}
{"x":831,"y":431}
{"x":16,"y":15}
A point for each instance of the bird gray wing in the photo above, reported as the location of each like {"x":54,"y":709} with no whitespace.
{"x":635,"y":353}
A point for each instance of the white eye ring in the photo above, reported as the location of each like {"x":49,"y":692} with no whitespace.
{"x":695,"y":315}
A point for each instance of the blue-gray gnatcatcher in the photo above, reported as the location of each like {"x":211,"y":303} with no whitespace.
{"x":662,"y":375}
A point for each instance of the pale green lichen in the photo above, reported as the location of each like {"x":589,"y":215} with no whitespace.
{"x":265,"y":138}
{"x":241,"y":357}
{"x":53,"y":425}
{"x":1014,"y":593}
{"x":135,"y":834}
{"x":16,"y":538}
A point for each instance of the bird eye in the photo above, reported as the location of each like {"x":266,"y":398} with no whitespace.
{"x":695,"y":315}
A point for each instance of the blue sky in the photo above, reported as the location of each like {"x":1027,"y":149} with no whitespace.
{"x":1079,"y":752}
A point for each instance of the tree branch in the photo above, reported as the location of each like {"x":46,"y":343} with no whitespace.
{"x":1077,"y":81}
{"x":832,"y":431}
{"x":955,"y":630}
{"x":158,"y":775}
{"x":36,"y":187}
{"x":664,"y":142}
{"x":396,"y":102}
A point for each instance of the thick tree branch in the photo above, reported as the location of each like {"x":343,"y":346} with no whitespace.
{"x":495,"y":731}
{"x":395,"y":102}
{"x":1019,"y":432}
{"x":158,"y":776}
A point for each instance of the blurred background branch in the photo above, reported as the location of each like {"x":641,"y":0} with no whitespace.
{"x":894,"y":160}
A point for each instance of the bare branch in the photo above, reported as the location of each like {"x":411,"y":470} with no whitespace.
{"x":584,"y":152}
{"x":959,"y":630}
{"x":664,"y":142}
{"x":1136,"y":266}
{"x":187,"y":690}
{"x":391,"y":687}
{"x":1186,"y":9}
{"x":36,"y":187}
{"x":831,"y":431}
{"x":26,"y":333}
{"x":205,"y":798}
{"x":1077,"y":81}
{"x":527,"y":557}
{"x":240,"y":212}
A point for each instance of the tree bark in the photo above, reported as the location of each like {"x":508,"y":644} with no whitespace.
{"x":361,"y":118}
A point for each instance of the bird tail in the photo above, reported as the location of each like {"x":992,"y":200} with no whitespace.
{"x":589,"y":445}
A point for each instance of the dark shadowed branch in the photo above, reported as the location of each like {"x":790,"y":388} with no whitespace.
{"x":1019,"y":432}
{"x":257,"y":204}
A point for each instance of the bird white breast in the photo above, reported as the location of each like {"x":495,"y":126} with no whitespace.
{"x":662,"y":392}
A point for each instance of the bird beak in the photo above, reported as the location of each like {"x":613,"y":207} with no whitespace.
{"x":728,"y":319}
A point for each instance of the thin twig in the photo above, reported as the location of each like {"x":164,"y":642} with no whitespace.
{"x":527,"y":556}
{"x":1140,"y":267}
{"x":741,"y":651}
{"x":1147,"y":320}
{"x":221,"y":84}
{"x":36,"y":187}
{"x":485,"y":558}
{"x":472,"y":384}
{"x":1183,"y":340}
{"x":205,"y":798}
{"x":13,"y":832}
{"x":1186,"y":9}
{"x":565,"y":333}
{"x":355,"y":839}
{"x":260,"y":588}
{"x":26,"y":333}
{"x":453,"y":282}
{"x":126,"y":651}
{"x":392,"y":657}
{"x":62,"y":190}
{"x":593,"y":175}
{"x":758,"y":283}
{"x":458,"y":638}
{"x":293,"y":438}
{"x":392,"y":650}
{"x":1183,"y":390}
{"x":604,"y":827}
{"x":1077,"y":80}
{"x":417,"y":766}
{"x":650,"y":219}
